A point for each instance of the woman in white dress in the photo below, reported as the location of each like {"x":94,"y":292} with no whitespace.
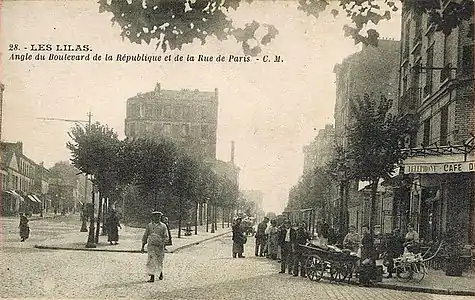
{"x":155,"y":237}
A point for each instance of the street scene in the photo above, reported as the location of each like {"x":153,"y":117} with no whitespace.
{"x":233,"y":149}
{"x":189,"y":273}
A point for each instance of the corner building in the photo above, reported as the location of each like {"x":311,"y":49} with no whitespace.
{"x":188,"y":117}
{"x":436,"y":89}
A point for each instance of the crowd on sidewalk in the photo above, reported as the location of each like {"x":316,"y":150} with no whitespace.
{"x":283,"y":244}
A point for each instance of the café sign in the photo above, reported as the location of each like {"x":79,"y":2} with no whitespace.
{"x":439,"y":168}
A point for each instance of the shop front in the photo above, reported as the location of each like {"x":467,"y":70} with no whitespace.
{"x":441,"y":195}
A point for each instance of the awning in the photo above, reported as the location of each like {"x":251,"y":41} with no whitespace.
{"x":33,"y":199}
{"x":444,"y":164}
{"x":17,"y":195}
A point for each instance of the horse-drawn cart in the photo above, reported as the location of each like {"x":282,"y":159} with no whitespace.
{"x":339,"y":264}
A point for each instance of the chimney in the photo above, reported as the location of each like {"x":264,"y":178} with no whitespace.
{"x":232,"y":152}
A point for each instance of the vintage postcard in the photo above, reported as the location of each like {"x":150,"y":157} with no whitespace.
{"x":237,"y":149}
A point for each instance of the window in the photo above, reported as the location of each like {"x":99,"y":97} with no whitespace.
{"x":429,"y":65}
{"x":185,"y":130}
{"x":167,"y":128}
{"x":426,"y":138}
{"x":204,"y":131}
{"x":167,"y":111}
{"x":444,"y":124}
{"x":132,"y":129}
{"x":467,"y":60}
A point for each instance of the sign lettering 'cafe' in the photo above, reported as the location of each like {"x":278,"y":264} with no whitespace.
{"x":439,"y":168}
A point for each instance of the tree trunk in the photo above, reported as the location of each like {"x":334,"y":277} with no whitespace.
{"x":212,"y":218}
{"x":180,"y":215}
{"x":196,"y":217}
{"x":207,"y":214}
{"x":374,"y":191}
{"x":222,"y":217}
{"x":99,"y":218}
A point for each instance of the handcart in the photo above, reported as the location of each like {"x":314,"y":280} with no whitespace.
{"x":339,"y":264}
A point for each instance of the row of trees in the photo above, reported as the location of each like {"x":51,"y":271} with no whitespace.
{"x":159,"y":174}
{"x":375,"y":139}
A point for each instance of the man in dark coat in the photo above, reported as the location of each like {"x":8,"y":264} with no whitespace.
{"x":261,"y":237}
{"x":394,"y":249}
{"x":286,"y":237}
{"x":238,"y":239}
{"x":302,"y":236}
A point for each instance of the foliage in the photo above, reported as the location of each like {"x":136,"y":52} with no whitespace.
{"x":312,"y":191}
{"x":375,"y":140}
{"x":161,"y":172}
{"x":95,"y":151}
{"x":375,"y":143}
{"x":173,"y":23}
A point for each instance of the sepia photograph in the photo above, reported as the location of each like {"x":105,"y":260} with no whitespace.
{"x":237,"y":149}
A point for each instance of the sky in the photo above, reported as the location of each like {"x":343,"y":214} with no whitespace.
{"x":270,"y":110}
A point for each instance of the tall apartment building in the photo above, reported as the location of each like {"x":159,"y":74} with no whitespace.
{"x":188,"y":117}
{"x":436,"y":88}
{"x":372,"y":71}
{"x":319,"y":152}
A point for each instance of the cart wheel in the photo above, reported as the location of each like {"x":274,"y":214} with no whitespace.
{"x":404,"y":272}
{"x":339,"y":272}
{"x":419,"y":271}
{"x":315,"y":267}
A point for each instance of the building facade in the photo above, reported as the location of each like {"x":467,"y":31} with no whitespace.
{"x":372,"y":71}
{"x":436,"y":89}
{"x":19,"y":183}
{"x":188,"y":117}
{"x":319,"y":152}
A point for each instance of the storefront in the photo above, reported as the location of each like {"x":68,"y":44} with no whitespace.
{"x":442,"y":194}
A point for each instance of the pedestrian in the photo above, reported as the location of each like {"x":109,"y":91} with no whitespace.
{"x":412,"y":239}
{"x":272,"y":239}
{"x":286,"y":236}
{"x":113,"y":225}
{"x":302,"y":237}
{"x":24,"y":227}
{"x":261,"y":237}
{"x":368,"y":264}
{"x":394,"y":249}
{"x":324,"y":232}
{"x":155,"y":237}
{"x":166,"y":222}
{"x":352,"y":240}
{"x":238,"y":239}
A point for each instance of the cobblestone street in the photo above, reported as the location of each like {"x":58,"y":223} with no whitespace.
{"x":205,"y":271}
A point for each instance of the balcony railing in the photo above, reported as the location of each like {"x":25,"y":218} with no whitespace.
{"x":446,"y":73}
{"x":410,"y":101}
{"x":427,"y":91}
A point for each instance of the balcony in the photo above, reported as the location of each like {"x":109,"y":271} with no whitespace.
{"x":410,"y":101}
{"x":427,"y":91}
{"x":417,"y":41}
{"x":446,"y":73}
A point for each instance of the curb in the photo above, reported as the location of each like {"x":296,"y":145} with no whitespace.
{"x":424,"y":290}
{"x":199,"y":242}
{"x":416,"y":289}
{"x":45,"y":247}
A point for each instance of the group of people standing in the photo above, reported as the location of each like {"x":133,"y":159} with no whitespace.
{"x":275,"y":242}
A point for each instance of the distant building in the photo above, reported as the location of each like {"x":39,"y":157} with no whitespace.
{"x":188,"y":117}
{"x":19,"y":183}
{"x":372,"y":71}
{"x":256,"y":197}
{"x":319,"y":152}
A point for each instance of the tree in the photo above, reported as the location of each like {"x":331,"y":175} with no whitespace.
{"x":375,"y":143}
{"x":173,"y":23}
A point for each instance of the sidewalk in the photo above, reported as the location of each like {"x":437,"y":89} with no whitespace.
{"x":435,"y":282}
{"x":130,"y":240}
